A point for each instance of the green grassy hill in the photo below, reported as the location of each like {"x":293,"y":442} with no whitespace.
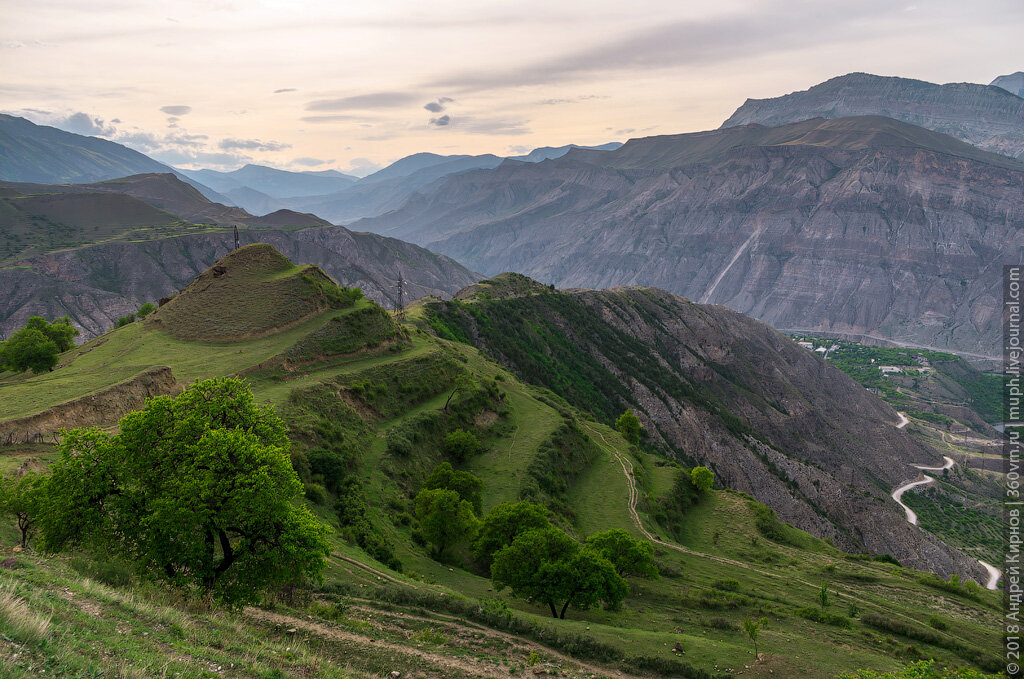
{"x":379,"y":393}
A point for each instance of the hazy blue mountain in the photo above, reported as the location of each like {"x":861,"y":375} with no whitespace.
{"x":552,"y":152}
{"x":273,"y":182}
{"x":46,"y":155}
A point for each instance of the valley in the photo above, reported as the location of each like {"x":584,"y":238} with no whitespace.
{"x":382,"y":391}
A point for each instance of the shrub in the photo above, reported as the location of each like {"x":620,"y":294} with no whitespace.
{"x":461,"y":445}
{"x":818,"y":615}
{"x":124,"y":320}
{"x":145,"y":310}
{"x":315,"y":493}
{"x":703,"y":479}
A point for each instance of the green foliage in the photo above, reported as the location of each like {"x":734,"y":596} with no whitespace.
{"x":951,"y":517}
{"x":469,"y":487}
{"x":629,"y":426}
{"x":366,"y":327}
{"x":753,"y":628}
{"x":197,"y":489}
{"x":350,"y":506}
{"x":503,"y":524}
{"x":461,"y":445}
{"x":670,"y":511}
{"x":546,"y":565}
{"x":20,"y":499}
{"x":968,"y":589}
{"x":824,"y":617}
{"x":628,"y":555}
{"x":393,"y":388}
{"x":982,"y":659}
{"x":61,"y":332}
{"x":124,"y":320}
{"x":925,"y":669}
{"x":768,"y":525}
{"x":145,"y":310}
{"x":823,"y":598}
{"x":28,"y":349}
{"x":703,"y":478}
{"x":445,"y":518}
{"x":560,"y":459}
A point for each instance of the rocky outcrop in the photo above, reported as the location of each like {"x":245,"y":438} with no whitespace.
{"x":96,"y":285}
{"x":103,"y":408}
{"x":990,"y":117}
{"x":863,"y":226}
{"x":717,"y":388}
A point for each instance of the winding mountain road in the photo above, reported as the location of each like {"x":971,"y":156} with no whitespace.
{"x":993,"y":573}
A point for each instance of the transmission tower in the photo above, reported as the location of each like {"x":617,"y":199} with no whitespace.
{"x":400,"y":306}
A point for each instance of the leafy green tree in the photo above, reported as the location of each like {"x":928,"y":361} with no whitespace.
{"x":469,"y":487}
{"x":197,"y":489}
{"x":503,"y":524}
{"x":28,"y":349}
{"x":823,"y":598}
{"x":61,"y":331}
{"x":629,"y":555}
{"x":753,"y":629}
{"x":463,"y":383}
{"x":19,"y":498}
{"x":124,"y":320}
{"x":703,"y":478}
{"x":461,"y":445}
{"x":629,"y":426}
{"x":145,"y":310}
{"x":357,"y":527}
{"x":445,"y":518}
{"x":546,"y":565}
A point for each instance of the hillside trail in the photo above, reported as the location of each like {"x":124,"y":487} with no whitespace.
{"x":840,"y":590}
{"x":994,"y":574}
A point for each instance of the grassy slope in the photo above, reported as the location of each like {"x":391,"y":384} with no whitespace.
{"x":719,"y":543}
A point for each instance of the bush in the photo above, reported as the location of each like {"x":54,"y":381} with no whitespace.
{"x":124,"y":320}
{"x":145,"y":310}
{"x":817,"y":615}
{"x":28,"y":349}
{"x":985,"y":661}
{"x":461,"y":445}
{"x":703,"y":479}
{"x":315,"y":493}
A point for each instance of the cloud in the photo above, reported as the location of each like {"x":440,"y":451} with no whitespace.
{"x":195,"y":157}
{"x":311,"y":162}
{"x":774,"y":28}
{"x":441,"y":121}
{"x":360,"y":167}
{"x":251,"y":145}
{"x":176,"y":110}
{"x":285,"y":89}
{"x":492,"y":126}
{"x":83,"y":123}
{"x":438,"y":105}
{"x":363,"y":102}
{"x":339,"y":117}
{"x":570,"y":100}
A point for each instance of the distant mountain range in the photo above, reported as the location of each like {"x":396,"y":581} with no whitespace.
{"x":861,"y":225}
{"x":98,"y":251}
{"x":342,"y":199}
{"x":47,"y":155}
{"x":1012,"y":83}
{"x":990,"y":117}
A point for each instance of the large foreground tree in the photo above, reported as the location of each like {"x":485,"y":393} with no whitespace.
{"x":197,"y":489}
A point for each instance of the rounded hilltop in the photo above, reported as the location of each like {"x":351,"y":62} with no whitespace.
{"x":250,"y":292}
{"x":503,"y":286}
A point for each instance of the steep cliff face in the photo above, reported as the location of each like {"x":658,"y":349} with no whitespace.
{"x":857,"y":225}
{"x":95,"y":285}
{"x":711,"y":385}
{"x":990,"y":117}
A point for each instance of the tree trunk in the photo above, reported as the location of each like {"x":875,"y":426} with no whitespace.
{"x":564,"y":609}
{"x":554,"y":613}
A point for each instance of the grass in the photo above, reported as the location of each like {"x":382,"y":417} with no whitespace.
{"x":720,"y":568}
{"x":17,"y":619}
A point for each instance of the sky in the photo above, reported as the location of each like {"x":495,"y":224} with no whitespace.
{"x":352,"y":86}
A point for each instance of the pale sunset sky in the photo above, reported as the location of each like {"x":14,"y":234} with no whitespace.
{"x":355,"y":85}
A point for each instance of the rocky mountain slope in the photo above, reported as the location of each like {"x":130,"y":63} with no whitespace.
{"x":863,"y":226}
{"x":717,"y":388}
{"x":97,"y":284}
{"x":989,"y":117}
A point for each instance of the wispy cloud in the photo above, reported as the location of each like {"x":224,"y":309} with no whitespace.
{"x":364,"y":102}
{"x":251,"y":145}
{"x":176,"y":110}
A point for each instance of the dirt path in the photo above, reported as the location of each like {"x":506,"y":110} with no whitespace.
{"x":994,"y":574}
{"x":839,"y":589}
{"x":904,"y":420}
